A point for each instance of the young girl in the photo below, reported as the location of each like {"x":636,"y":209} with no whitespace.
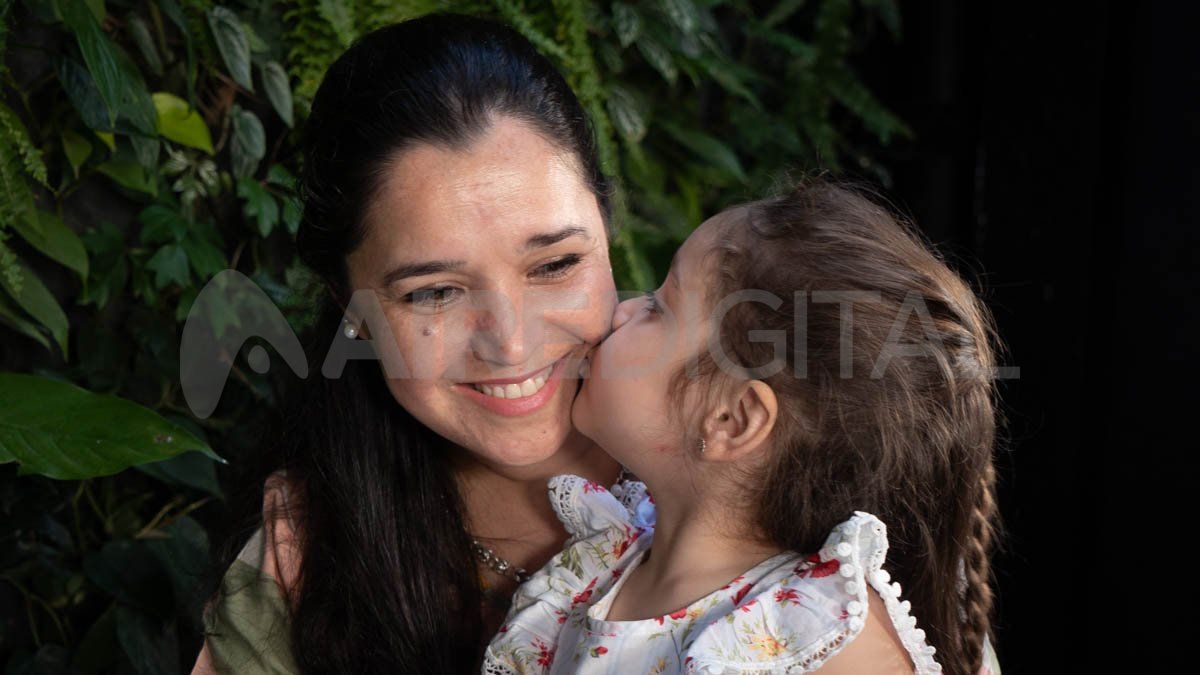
{"x":809,"y":398}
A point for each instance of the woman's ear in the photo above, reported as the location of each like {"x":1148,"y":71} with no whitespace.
{"x":739,"y":429}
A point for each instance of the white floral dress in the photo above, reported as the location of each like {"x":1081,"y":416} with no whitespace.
{"x":788,"y":614}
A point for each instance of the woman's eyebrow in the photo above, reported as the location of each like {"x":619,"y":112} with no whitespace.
{"x":421,"y":269}
{"x":549,"y":238}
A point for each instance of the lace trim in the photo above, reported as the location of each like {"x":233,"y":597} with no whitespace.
{"x":911,"y":637}
{"x":493,"y":666}
{"x":630,"y":493}
{"x":563,"y":490}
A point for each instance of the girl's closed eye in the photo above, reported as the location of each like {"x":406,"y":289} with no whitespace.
{"x":652,"y":306}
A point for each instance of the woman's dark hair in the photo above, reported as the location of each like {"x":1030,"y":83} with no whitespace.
{"x":387,"y":581}
{"x":907,"y":434}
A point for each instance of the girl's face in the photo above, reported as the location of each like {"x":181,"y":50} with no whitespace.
{"x":490,"y":270}
{"x":622,"y":404}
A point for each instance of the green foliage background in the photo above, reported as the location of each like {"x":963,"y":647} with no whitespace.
{"x":147,"y":144}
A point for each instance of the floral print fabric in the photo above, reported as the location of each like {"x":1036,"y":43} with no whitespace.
{"x":790,"y":613}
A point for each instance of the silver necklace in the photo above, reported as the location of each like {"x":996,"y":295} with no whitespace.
{"x":504,"y":568}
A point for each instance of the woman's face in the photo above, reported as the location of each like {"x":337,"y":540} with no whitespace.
{"x":490,"y":266}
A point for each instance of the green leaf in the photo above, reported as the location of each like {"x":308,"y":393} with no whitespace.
{"x":130,"y":174}
{"x":683,"y":14}
{"x":279,"y":175}
{"x":175,"y":14}
{"x":191,"y":469}
{"x":135,"y":105}
{"x":233,"y":44}
{"x":11,"y":317}
{"x":39,"y":302}
{"x":85,"y":95}
{"x":626,"y":22}
{"x":161,"y":224}
{"x":146,"y":150}
{"x":129,"y":571}
{"x":279,"y":91}
{"x":98,"y":10}
{"x":109,"y":265}
{"x":291,"y":215}
{"x":889,"y":12}
{"x":99,"y":435}
{"x":730,"y":77}
{"x":48,"y":234}
{"x":781,"y":12}
{"x":709,"y":149}
{"x":77,"y":149}
{"x":99,"y":53}
{"x":249,"y":142}
{"x":169,"y":264}
{"x":140,"y":33}
{"x":659,"y":58}
{"x":177,"y":123}
{"x":260,"y":204}
{"x":183,"y":552}
{"x":340,"y":17}
{"x":205,"y":258}
{"x":628,"y":113}
{"x":850,"y":92}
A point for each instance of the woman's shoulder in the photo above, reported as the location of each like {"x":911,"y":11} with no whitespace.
{"x":812,"y":607}
{"x":246,"y":624}
{"x":274,"y":548}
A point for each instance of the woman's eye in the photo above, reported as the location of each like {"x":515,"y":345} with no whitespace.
{"x":431,"y":297}
{"x":652,"y":306}
{"x":557,"y":268}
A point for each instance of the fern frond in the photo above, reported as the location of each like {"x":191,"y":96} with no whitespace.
{"x":14,"y":134}
{"x":10,"y":267}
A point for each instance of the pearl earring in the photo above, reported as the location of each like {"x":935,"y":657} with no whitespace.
{"x":348,"y":329}
{"x":703,"y":445}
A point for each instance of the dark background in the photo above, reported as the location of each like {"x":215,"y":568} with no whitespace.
{"x":1055,"y":158}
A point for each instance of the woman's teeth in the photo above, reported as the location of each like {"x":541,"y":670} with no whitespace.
{"x":520,"y":390}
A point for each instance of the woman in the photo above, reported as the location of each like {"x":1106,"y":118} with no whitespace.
{"x":451,"y":174}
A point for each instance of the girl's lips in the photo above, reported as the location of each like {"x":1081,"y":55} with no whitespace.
{"x":515,"y":407}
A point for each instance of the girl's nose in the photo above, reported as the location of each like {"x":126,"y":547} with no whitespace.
{"x":624,"y":312}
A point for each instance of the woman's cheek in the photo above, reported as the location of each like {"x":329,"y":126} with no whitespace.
{"x":596,"y":321}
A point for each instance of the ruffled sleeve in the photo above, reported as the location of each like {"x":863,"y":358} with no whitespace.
{"x":797,"y":622}
{"x":602,"y":532}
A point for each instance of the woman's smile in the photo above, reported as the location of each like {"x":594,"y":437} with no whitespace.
{"x":514,"y":397}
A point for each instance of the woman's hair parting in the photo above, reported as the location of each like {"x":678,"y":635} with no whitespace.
{"x":887,"y":396}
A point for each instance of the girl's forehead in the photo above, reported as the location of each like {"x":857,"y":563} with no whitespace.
{"x":694,"y":253}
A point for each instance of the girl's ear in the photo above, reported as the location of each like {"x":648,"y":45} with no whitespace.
{"x":742,"y":427}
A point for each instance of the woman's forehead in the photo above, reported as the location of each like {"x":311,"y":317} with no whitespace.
{"x":509,"y":183}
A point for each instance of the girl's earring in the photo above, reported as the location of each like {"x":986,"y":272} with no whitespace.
{"x":703,"y":445}
{"x":348,"y":329}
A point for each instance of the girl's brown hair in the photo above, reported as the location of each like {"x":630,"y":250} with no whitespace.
{"x":889,"y":409}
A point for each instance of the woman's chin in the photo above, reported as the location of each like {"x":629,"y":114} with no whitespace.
{"x":523,"y":453}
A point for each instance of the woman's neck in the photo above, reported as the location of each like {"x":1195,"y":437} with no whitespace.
{"x":510,"y":507}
